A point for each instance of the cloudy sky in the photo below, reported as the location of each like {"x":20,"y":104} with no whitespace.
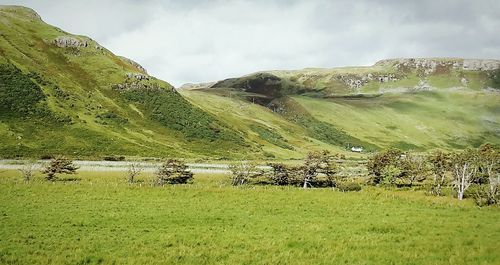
{"x":198,"y":41}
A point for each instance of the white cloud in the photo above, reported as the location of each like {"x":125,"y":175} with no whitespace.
{"x":196,"y":41}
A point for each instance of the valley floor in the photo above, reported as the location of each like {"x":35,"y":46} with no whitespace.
{"x":99,"y":218}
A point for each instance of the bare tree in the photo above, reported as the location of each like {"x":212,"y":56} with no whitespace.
{"x":28,"y":170}
{"x":465,"y":166}
{"x":59,"y":165}
{"x":243,"y":172}
{"x":133,"y":171}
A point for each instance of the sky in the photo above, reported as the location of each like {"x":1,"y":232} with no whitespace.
{"x":200,"y":41}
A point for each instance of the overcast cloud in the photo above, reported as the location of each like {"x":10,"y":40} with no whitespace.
{"x":198,"y":41}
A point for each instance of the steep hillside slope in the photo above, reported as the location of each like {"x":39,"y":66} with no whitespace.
{"x":415,"y":104}
{"x":66,"y":94}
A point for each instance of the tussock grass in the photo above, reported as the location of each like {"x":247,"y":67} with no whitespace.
{"x":99,"y":218}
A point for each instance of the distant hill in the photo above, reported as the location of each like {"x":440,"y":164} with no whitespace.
{"x":413,"y":103}
{"x":66,"y":94}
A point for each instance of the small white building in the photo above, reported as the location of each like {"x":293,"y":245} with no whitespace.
{"x":357,"y":149}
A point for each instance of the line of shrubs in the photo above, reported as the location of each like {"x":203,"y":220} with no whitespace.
{"x":319,"y":170}
{"x":171,"y":171}
{"x":473,"y":173}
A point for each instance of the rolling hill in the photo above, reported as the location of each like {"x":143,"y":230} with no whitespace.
{"x":66,"y":94}
{"x":412,"y":104}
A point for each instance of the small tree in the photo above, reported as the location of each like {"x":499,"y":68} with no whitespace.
{"x":243,"y":172}
{"x":489,"y":162}
{"x":378,"y":163}
{"x":439,"y":165}
{"x":28,"y":170}
{"x":280,"y":174}
{"x":390,"y":175}
{"x":133,"y":171}
{"x":318,"y":162}
{"x":173,"y":171}
{"x":59,"y":165}
{"x":416,"y":168}
{"x":330,"y":168}
{"x":465,"y":166}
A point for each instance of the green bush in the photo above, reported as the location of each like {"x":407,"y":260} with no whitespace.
{"x":19,"y":95}
{"x":173,"y":171}
{"x":348,"y":186}
{"x":482,"y":195}
{"x":110,"y":117}
{"x":271,"y":136}
{"x":173,"y":111}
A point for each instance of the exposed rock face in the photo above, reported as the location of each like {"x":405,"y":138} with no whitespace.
{"x":67,"y":41}
{"x":431,"y":66}
{"x":197,"y":86}
{"x":137,"y":76}
{"x":480,"y":65}
{"x":356,"y":81}
{"x":134,"y":64}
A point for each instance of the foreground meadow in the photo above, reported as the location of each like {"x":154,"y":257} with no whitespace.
{"x":99,"y":218}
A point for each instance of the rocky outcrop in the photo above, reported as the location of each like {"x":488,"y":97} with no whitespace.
{"x":480,"y":65}
{"x":137,"y":76}
{"x":189,"y":86}
{"x":69,"y":41}
{"x":433,"y":66}
{"x":134,"y":64}
{"x":356,"y":81}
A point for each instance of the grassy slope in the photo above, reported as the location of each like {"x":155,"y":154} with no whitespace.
{"x":386,"y":114}
{"x":97,"y":120}
{"x":246,"y":117}
{"x":102,"y":219}
{"x":415,"y":121}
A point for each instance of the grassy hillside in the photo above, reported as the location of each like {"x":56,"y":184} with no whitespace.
{"x":416,"y":104}
{"x":65,"y":94}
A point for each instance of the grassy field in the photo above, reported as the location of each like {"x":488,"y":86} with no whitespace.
{"x":98,"y":218}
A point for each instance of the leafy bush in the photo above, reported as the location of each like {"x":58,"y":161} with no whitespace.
{"x":281,"y":174}
{"x":378,"y":166}
{"x":271,"y":137}
{"x":348,"y":186}
{"x":19,"y":95}
{"x":110,"y":117}
{"x":173,"y":171}
{"x":482,"y":195}
{"x":59,"y":165}
{"x":113,"y":158}
{"x":174,"y":112}
{"x":439,"y":165}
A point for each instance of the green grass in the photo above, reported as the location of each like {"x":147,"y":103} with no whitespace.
{"x":88,"y":118}
{"x":101,"y":219}
{"x":420,"y":121}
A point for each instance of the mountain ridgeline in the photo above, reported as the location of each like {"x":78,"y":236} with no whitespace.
{"x":66,"y":94}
